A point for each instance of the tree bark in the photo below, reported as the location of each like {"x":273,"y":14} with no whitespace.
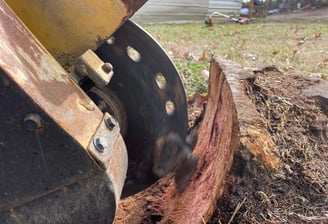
{"x":230,"y":119}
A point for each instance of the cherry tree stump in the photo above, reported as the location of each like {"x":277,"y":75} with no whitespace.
{"x":230,"y":120}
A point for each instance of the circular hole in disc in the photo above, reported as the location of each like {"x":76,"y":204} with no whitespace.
{"x":170,"y":107}
{"x":160,"y":80}
{"x":133,"y":54}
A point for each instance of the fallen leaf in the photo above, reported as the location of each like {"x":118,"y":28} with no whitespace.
{"x":317,"y":35}
{"x":197,"y":100}
{"x":325,"y":61}
{"x":189,"y":56}
{"x":203,"y":57}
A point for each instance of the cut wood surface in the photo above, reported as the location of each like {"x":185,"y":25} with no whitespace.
{"x":230,"y":119}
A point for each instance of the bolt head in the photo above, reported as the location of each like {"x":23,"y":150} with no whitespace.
{"x":107,"y":67}
{"x":33,"y":122}
{"x":100,"y":144}
{"x":110,"y":123}
{"x":80,"y":69}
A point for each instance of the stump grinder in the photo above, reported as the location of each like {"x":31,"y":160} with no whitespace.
{"x":84,"y":94}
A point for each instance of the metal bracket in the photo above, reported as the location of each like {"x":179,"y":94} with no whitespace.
{"x":109,"y":150}
{"x":105,"y":140}
{"x":89,"y":64}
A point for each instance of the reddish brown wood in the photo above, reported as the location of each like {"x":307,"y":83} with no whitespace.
{"x":229,"y":113}
{"x":253,"y":132}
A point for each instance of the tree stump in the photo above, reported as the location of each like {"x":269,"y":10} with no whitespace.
{"x":230,"y":119}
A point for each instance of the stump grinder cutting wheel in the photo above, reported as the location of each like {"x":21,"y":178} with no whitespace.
{"x":85,"y":93}
{"x":150,"y":93}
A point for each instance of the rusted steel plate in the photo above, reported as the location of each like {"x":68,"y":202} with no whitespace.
{"x":54,"y":162}
{"x":35,"y":153}
{"x":33,"y":69}
{"x":90,"y":201}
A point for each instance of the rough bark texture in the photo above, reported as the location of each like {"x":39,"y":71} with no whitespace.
{"x":253,"y":133}
{"x":230,"y":119}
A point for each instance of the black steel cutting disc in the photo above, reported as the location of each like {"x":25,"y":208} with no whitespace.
{"x":150,"y":89}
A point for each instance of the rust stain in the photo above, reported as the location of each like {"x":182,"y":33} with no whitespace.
{"x":32,"y":67}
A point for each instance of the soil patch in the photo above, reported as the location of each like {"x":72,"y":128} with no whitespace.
{"x":295,"y":111}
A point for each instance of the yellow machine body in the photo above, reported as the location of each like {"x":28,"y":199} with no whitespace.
{"x":68,"y":28}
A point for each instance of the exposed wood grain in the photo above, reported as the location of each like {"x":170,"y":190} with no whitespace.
{"x":230,"y":119}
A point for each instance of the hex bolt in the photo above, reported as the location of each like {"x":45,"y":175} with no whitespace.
{"x":107,"y":67}
{"x":33,"y":122}
{"x":110,"y":123}
{"x":81,"y":70}
{"x":100,"y":144}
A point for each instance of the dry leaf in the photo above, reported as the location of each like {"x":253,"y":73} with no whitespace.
{"x":197,"y":100}
{"x":203,"y":57}
{"x":317,"y":35}
{"x":189,"y":56}
{"x":325,"y":61}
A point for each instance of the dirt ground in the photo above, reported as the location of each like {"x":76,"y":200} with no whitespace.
{"x":295,"y":109}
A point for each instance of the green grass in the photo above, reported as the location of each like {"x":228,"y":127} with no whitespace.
{"x":294,"y":47}
{"x":192,"y":79}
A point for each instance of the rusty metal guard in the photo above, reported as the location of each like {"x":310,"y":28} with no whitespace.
{"x":47,"y":171}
